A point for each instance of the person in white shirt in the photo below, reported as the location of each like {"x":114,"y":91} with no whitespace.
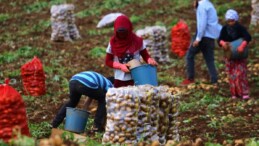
{"x":208,"y":30}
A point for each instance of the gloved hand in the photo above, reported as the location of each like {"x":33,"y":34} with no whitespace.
{"x":151,"y":61}
{"x":242,"y":46}
{"x":122,"y":67}
{"x":224,"y":44}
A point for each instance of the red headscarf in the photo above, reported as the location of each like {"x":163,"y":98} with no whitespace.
{"x":132,"y":43}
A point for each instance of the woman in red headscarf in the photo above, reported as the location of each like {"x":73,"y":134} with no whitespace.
{"x":123,"y":47}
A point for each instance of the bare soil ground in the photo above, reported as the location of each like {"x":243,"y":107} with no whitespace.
{"x":74,"y":57}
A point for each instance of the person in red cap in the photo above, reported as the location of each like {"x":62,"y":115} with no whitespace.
{"x":124,"y":46}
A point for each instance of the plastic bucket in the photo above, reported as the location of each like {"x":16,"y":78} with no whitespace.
{"x":76,"y":120}
{"x":144,"y":74}
{"x":234,"y":52}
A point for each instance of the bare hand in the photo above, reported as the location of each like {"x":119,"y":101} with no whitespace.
{"x":195,"y":43}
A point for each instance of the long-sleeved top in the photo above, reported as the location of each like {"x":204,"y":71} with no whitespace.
{"x":93,"y":80}
{"x":207,"y":21}
{"x":120,"y":75}
{"x":232,"y":33}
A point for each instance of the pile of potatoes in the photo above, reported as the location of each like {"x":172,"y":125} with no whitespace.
{"x":253,"y":69}
{"x":53,"y":141}
{"x":137,"y":113}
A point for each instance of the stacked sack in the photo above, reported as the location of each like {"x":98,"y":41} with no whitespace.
{"x":173,"y":131}
{"x":155,"y":41}
{"x":63,"y":23}
{"x":181,"y":37}
{"x":165,"y":105}
{"x":144,"y":131}
{"x":137,"y":113}
{"x":33,"y":78}
{"x":122,"y":116}
{"x":255,"y":12}
{"x":12,"y":113}
{"x":154,"y":107}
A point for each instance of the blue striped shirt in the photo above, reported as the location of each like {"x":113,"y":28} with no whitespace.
{"x":93,"y":80}
{"x":207,"y":21}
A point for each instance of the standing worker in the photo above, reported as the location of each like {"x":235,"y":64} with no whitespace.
{"x":208,"y":30}
{"x":124,"y":46}
{"x":90,"y":84}
{"x":236,"y":68}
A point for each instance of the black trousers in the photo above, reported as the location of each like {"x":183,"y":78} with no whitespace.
{"x":76,"y":90}
{"x":206,"y":46}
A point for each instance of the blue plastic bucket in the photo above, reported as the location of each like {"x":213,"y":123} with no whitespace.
{"x":234,"y":52}
{"x":76,"y":120}
{"x":144,"y":74}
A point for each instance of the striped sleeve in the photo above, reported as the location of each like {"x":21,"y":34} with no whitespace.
{"x":93,"y":80}
{"x":87,"y":79}
{"x":103,"y":82}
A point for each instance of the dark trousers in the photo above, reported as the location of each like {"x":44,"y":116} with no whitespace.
{"x":76,"y":90}
{"x":206,"y":46}
{"x":119,"y":83}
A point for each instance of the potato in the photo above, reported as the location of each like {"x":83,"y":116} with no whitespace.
{"x":127,"y":119}
{"x":121,"y":140}
{"x":57,"y":141}
{"x":116,"y":128}
{"x":170,"y":143}
{"x":44,"y":142}
{"x":131,"y":115}
{"x":141,"y":144}
{"x":116,"y":118}
{"x":133,"y":123}
{"x":155,"y":143}
{"x":198,"y":142}
{"x":116,"y":137}
{"x":128,"y":134}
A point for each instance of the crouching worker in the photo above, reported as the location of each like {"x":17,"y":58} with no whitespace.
{"x":90,"y":84}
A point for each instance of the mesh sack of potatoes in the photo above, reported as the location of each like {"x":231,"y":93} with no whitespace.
{"x":156,"y":43}
{"x":60,"y":32}
{"x":173,"y":132}
{"x":163,"y":112}
{"x":122,"y":116}
{"x":137,"y":113}
{"x":63,"y":23}
{"x":154,"y":109}
{"x":144,"y":122}
{"x":255,"y":12}
{"x":161,"y":44}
